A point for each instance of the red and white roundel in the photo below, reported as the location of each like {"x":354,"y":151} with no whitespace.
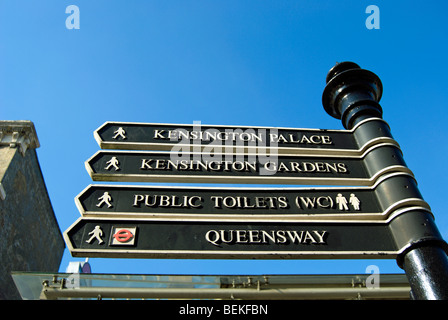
{"x":124,"y":236}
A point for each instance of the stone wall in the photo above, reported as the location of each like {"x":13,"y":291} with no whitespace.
{"x":30,"y":238}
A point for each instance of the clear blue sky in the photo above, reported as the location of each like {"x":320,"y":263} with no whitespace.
{"x":235,"y":62}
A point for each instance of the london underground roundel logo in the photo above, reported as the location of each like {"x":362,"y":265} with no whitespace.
{"x":123,"y":235}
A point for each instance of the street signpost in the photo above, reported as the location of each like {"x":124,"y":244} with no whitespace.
{"x":140,"y":166}
{"x":141,"y":238}
{"x":382,"y":214}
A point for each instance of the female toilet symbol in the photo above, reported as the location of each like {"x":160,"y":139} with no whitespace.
{"x":354,"y":201}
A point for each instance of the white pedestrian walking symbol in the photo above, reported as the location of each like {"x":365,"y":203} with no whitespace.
{"x":119,"y":133}
{"x":96,"y":233}
{"x":355,"y":202}
{"x":105,"y":198}
{"x":342,"y":201}
{"x":113,"y":162}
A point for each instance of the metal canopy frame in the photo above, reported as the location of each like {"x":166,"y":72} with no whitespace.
{"x":65,"y":286}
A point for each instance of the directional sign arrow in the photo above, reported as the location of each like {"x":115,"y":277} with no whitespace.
{"x":133,"y":166}
{"x":160,"y":137}
{"x":121,"y":238}
{"x":362,"y":204}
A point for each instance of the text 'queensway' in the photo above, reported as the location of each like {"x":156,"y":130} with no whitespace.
{"x":216,"y":237}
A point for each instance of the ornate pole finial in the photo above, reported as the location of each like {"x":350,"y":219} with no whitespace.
{"x":352,"y":94}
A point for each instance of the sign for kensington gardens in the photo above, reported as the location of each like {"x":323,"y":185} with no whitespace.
{"x":141,"y":166}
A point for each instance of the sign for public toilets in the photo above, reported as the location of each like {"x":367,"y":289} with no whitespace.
{"x":244,"y":204}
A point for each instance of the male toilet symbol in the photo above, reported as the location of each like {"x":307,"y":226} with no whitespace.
{"x":342,"y":201}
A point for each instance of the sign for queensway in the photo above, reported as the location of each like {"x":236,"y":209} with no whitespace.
{"x":141,"y":166}
{"x":121,"y":238}
{"x":249,"y":204}
{"x":197,"y":137}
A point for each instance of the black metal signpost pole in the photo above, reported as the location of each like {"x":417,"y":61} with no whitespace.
{"x":352,"y":95}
